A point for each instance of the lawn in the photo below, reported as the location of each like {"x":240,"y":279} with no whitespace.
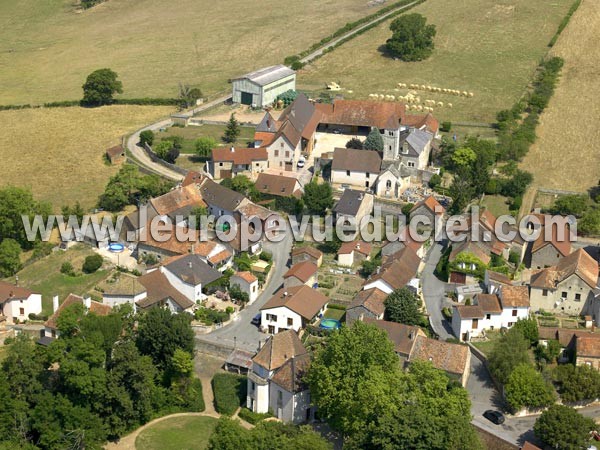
{"x":191,"y":133}
{"x":336,"y":314}
{"x":566,"y":155}
{"x":496,"y":204}
{"x":488,"y":47}
{"x":177,"y":433}
{"x":59,"y":152}
{"x":487,"y":346}
{"x":48,"y":48}
{"x":44,"y":276}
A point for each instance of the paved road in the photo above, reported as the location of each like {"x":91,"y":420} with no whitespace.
{"x":434,"y":293}
{"x":308,"y":58}
{"x":241,"y":332}
{"x":141,"y":156}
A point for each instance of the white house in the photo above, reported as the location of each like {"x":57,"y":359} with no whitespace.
{"x":354,"y":252}
{"x":292,"y":308}
{"x":124,"y":289}
{"x":275,"y":381}
{"x":397,"y":272}
{"x":491,"y":312}
{"x":247,"y":283}
{"x":51,"y":331}
{"x":358,"y":168}
{"x":16,"y":303}
{"x":188,"y":274}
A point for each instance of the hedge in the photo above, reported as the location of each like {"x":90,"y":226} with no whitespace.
{"x":337,"y":306}
{"x":252,"y":417}
{"x":229,"y":391}
{"x":563,"y":24}
{"x":146,"y":101}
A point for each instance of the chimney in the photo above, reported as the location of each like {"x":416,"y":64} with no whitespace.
{"x":378,"y":270}
{"x":54,"y":303}
{"x":87,"y":301}
{"x":190,"y":264}
{"x":232,"y":149}
{"x":358,"y":246}
{"x":285,"y":294}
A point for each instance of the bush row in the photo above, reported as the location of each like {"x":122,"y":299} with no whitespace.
{"x":564,"y":22}
{"x":146,"y":101}
{"x":294,"y":60}
{"x":229,"y":391}
{"x":252,"y":417}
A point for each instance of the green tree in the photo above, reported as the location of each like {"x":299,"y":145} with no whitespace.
{"x":403,"y":306}
{"x":562,"y":427}
{"x":354,"y":378}
{"x":464,"y":157}
{"x":100,"y":87}
{"x":406,"y":208}
{"x":92,"y":263}
{"x":412,"y":38}
{"x":435,"y":181}
{"x":509,"y":352}
{"x":577,"y":383}
{"x":590,"y":222}
{"x":167,"y":150}
{"x":204,"y":146}
{"x":232,"y":131}
{"x":188,"y":96}
{"x":433,"y":415}
{"x":10,"y":257}
{"x":355,"y":143}
{"x":527,"y":388}
{"x":318,"y":198}
{"x":516,"y":186}
{"x":160,"y":333}
{"x":374,"y":141}
{"x":147,"y":137}
{"x":529,"y":329}
{"x":14,"y":203}
{"x":195,"y":217}
{"x":243,"y":185}
{"x":548,"y":353}
{"x":570,"y":205}
{"x":462,"y":189}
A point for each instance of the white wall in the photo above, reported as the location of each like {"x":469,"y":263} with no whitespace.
{"x":114,"y":300}
{"x":192,"y":292}
{"x":283,"y":314}
{"x":346,"y":259}
{"x":379,"y":284}
{"x":250,"y":288}
{"x":32,"y":305}
{"x":357,"y":179}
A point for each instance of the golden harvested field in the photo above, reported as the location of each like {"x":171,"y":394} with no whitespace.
{"x":488,"y":47}
{"x":566,"y":155}
{"x":59,"y":152}
{"x":47,"y":48}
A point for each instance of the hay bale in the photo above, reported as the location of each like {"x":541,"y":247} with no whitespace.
{"x":449,"y":105}
{"x":471,"y":94}
{"x":465,"y":93}
{"x":440,"y":104}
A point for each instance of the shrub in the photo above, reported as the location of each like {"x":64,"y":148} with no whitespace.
{"x":92,"y":263}
{"x":229,"y":391}
{"x":146,"y":137}
{"x":252,"y":417}
{"x":337,"y":306}
{"x":446,"y":126}
{"x":514,"y":258}
{"x":67,"y":269}
{"x":435,"y":181}
{"x":297,"y":65}
{"x":210,"y":316}
{"x":266,"y":256}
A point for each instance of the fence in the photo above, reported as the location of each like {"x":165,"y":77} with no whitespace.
{"x":162,"y":162}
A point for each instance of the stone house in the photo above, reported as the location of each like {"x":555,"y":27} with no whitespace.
{"x":367,"y":304}
{"x":356,"y":168}
{"x":352,"y":207}
{"x":230,"y":162}
{"x":307,"y":253}
{"x":247,"y":283}
{"x":16,"y":303}
{"x":354,"y":252}
{"x":303,"y":273}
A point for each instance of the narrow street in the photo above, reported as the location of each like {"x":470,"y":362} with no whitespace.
{"x":241,"y":332}
{"x":434,"y":293}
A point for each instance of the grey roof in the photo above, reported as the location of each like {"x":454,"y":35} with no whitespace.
{"x":299,"y":112}
{"x":267,"y":125}
{"x":268,"y":75}
{"x":398,"y":170}
{"x":418,"y":139}
{"x":356,"y":160}
{"x":349,"y":202}
{"x":193,"y":270}
{"x":216,"y":195}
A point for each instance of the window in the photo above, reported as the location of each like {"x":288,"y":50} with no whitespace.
{"x":272,"y":317}
{"x":563,"y":294}
{"x":510,"y":324}
{"x":577,"y":297}
{"x":290,"y":322}
{"x":366,"y":184}
{"x":280,"y":164}
{"x":21,"y":311}
{"x":388,"y":184}
{"x":411,"y":164}
{"x":220,"y":164}
{"x":276,"y":153}
{"x":514,"y":313}
{"x":389,"y":147}
{"x":475,"y":324}
{"x":281,"y":145}
{"x":257,"y":164}
{"x":253,"y":385}
{"x":545,"y":292}
{"x":347,"y":173}
{"x":287,"y":153}
{"x":391,"y":133}
{"x":279,"y":396}
{"x":488,"y":316}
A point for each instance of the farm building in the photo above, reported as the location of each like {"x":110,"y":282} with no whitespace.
{"x":261,"y":88}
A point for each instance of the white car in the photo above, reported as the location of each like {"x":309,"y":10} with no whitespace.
{"x":301,"y":163}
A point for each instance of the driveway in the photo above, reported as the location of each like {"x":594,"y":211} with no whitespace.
{"x":434,"y":293}
{"x":241,"y":332}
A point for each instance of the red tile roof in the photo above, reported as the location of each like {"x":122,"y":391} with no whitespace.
{"x":177,"y":199}
{"x":470,"y":311}
{"x":514,"y":296}
{"x":383,"y":115}
{"x":9,"y":291}
{"x":95,"y":308}
{"x":355,"y":246}
{"x":403,"y":336}
{"x":278,"y":349}
{"x":578,"y":263}
{"x":564,"y":246}
{"x":303,"y":271}
{"x":397,"y":272}
{"x":371,"y":299}
{"x":432,"y":204}
{"x":246,"y":276}
{"x":445,"y":356}
{"x":239,"y":155}
{"x":305,"y":301}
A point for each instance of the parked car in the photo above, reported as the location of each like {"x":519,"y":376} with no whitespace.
{"x":256,"y":320}
{"x":494,"y":416}
{"x":301,"y":162}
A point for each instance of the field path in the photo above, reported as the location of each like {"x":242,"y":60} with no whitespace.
{"x":318,"y":52}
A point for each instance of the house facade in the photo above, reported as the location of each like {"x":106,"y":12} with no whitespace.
{"x":367,"y":304}
{"x":247,"y":283}
{"x":352,"y":207}
{"x":230,"y":162}
{"x":301,"y":274}
{"x":351,"y":253}
{"x":307,"y":253}
{"x":356,"y":168}
{"x":16,"y":303}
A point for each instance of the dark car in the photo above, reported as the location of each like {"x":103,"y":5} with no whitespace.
{"x":494,"y":416}
{"x":256,"y":319}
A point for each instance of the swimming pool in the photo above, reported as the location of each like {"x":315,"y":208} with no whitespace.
{"x":115,"y":247}
{"x":329,"y":324}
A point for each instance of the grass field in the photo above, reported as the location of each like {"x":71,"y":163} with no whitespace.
{"x":566,"y":155}
{"x":178,"y":433}
{"x":496,"y":204}
{"x":191,"y":133}
{"x":59,"y":152}
{"x":48,"y":48}
{"x":488,"y":47}
{"x":44,"y":276}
